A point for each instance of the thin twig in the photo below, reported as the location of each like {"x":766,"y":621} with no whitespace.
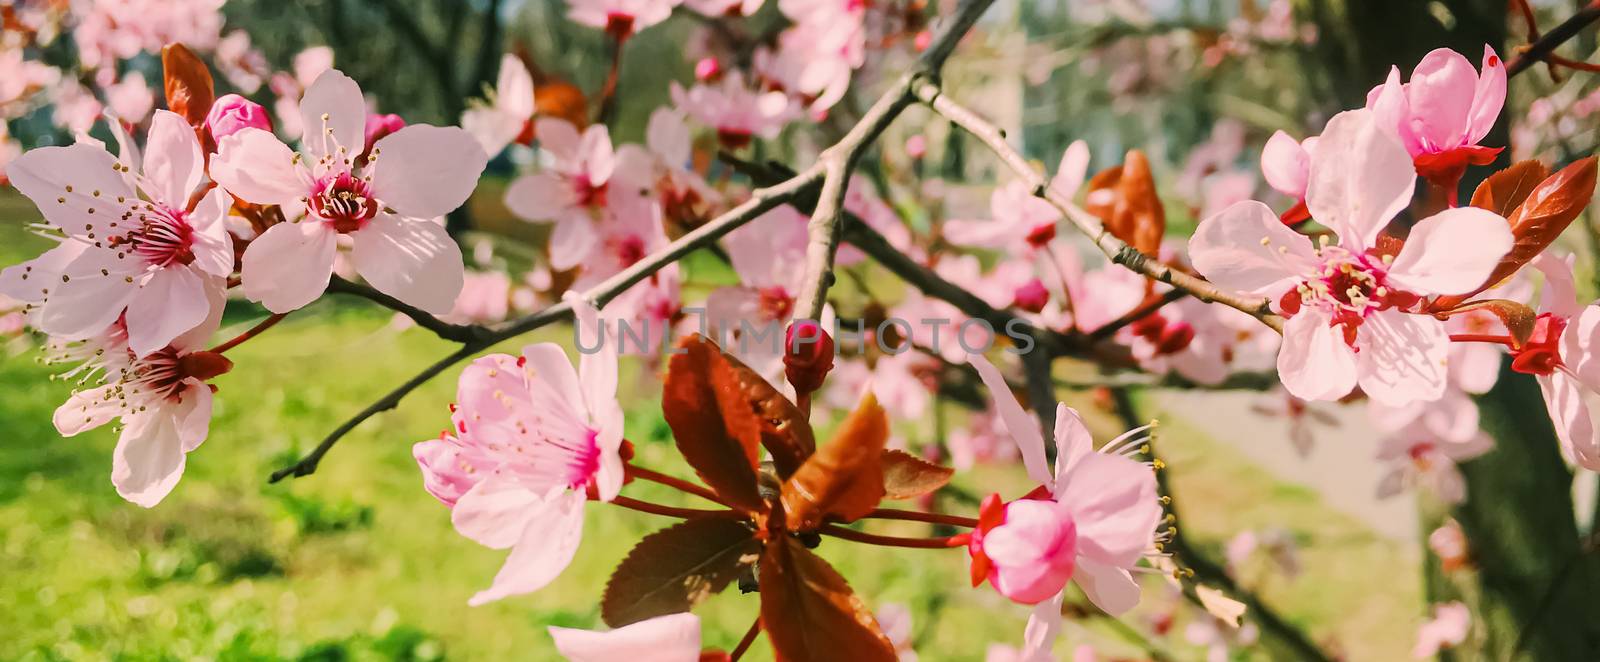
{"x":1111,"y":328}
{"x":461,"y":333}
{"x":745,"y":641}
{"x":1120,"y":252}
{"x":263,"y":325}
{"x":840,"y":160}
{"x":1558,"y":35}
{"x":672,"y":511}
{"x":763,"y":200}
{"x":919,"y":516}
{"x":853,"y":535}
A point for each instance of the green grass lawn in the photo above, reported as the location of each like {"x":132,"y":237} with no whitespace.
{"x":358,"y":562}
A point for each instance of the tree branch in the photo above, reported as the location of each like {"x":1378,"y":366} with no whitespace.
{"x":1547,"y":44}
{"x":840,"y":160}
{"x":461,"y":333}
{"x":1120,"y":252}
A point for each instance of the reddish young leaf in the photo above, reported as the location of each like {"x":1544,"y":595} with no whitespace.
{"x":676,"y":568}
{"x":558,"y":98}
{"x":189,"y":89}
{"x":1138,"y":208}
{"x":1542,"y":217}
{"x":843,"y":481}
{"x":785,"y":431}
{"x":716,"y":429}
{"x":1518,"y":318}
{"x":809,"y":612}
{"x":1503,"y":191}
{"x":1101,"y":198}
{"x":906,"y":476}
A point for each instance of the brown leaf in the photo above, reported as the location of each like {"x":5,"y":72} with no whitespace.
{"x":1518,"y":318}
{"x":716,"y":429}
{"x":809,"y":612}
{"x":1102,"y":195}
{"x":1138,"y":208}
{"x":843,"y":481}
{"x":906,"y":476}
{"x":1535,"y":223}
{"x":189,"y":89}
{"x":1503,"y":191}
{"x":558,"y":98}
{"x":674,"y":569}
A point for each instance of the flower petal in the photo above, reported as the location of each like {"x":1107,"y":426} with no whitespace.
{"x":670,"y":638}
{"x":496,"y":511}
{"x":94,"y":290}
{"x":1024,"y":429}
{"x":173,"y":163}
{"x":1115,"y":506}
{"x":257,"y":167}
{"x":1245,"y":247}
{"x":170,"y":302}
{"x":548,"y":544}
{"x":288,"y":266}
{"x":1574,"y":427}
{"x":86,"y":410}
{"x":426,"y":171}
{"x":412,"y":260}
{"x":542,"y":197}
{"x":1488,"y":97}
{"x":1314,"y":361}
{"x":1110,"y":588}
{"x":1440,"y":94}
{"x":62,"y":182}
{"x":338,"y":98}
{"x":1361,"y":177}
{"x":1451,"y":252}
{"x":148,"y":459}
{"x":1285,"y":165}
{"x":1402,"y":357}
{"x":571,"y":242}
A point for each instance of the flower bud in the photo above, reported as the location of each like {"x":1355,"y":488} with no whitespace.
{"x":708,"y":69}
{"x":1026,"y":549}
{"x":1031,"y":296}
{"x":379,"y":126}
{"x":808,"y":355}
{"x":231,"y":113}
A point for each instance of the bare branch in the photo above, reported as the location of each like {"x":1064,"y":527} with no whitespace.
{"x":1111,"y":328}
{"x":840,"y":160}
{"x":461,"y":333}
{"x":1547,"y":44}
{"x":1121,"y":253}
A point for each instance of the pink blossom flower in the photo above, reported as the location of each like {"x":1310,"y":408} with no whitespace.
{"x":130,"y":98}
{"x":735,"y":111}
{"x":763,"y":253}
{"x":670,"y":638}
{"x":621,"y":18}
{"x":1349,"y":322}
{"x":531,"y":438}
{"x":1560,"y":355}
{"x":161,"y":397}
{"x":1449,"y":543}
{"x":1286,"y":165}
{"x":307,"y":67}
{"x":147,"y":260}
{"x":1442,"y":114}
{"x":1297,"y":413}
{"x":1424,"y":442}
{"x":573,"y":190}
{"x":664,"y":164}
{"x":20,"y":78}
{"x":1108,"y":500}
{"x":1447,"y":629}
{"x":76,"y":108}
{"x":508,"y":114}
{"x":231,"y":113}
{"x":982,"y":439}
{"x":1021,"y":223}
{"x":387,"y":209}
{"x":242,"y":64}
{"x":485,"y":298}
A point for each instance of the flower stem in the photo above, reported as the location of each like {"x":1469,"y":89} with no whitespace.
{"x":1476,"y":337}
{"x":251,"y":333}
{"x":678,"y":483}
{"x":671,"y":511}
{"x":916,"y":516}
{"x":946,"y":542}
{"x":744,"y":642}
